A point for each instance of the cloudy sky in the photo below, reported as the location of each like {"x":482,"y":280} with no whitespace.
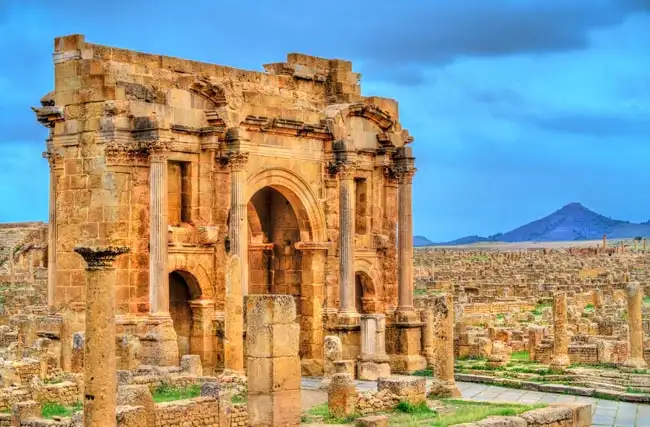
{"x":517,"y":106}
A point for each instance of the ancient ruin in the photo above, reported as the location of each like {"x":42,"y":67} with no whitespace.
{"x":214,"y":234}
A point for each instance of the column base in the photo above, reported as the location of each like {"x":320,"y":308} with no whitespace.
{"x":407,"y":363}
{"x":373,"y":368}
{"x":160,"y":344}
{"x":443,"y":389}
{"x":559,"y":363}
{"x":634,"y":363}
{"x":348,"y":318}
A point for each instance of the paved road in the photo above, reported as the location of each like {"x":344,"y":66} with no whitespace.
{"x":606,"y":412}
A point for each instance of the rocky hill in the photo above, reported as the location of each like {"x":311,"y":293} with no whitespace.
{"x":571,"y":222}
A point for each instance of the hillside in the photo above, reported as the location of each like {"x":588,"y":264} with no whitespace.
{"x":570,"y":223}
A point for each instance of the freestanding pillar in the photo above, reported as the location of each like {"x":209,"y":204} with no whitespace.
{"x":561,"y":339}
{"x":347,"y":303}
{"x":100,"y":380}
{"x":164,"y":350}
{"x":635,"y":358}
{"x":373,"y":361}
{"x":51,"y":236}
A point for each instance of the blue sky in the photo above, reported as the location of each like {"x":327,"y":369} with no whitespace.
{"x":518,"y":107}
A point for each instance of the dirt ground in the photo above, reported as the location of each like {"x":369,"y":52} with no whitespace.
{"x":502,"y":246}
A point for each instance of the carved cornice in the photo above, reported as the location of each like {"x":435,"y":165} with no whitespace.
{"x":52,"y":158}
{"x":209,"y":91}
{"x":48,"y":115}
{"x":312,"y":246}
{"x":390,"y":175}
{"x":288,"y":127}
{"x":344,"y":169}
{"x":372,"y":112}
{"x":100,"y":258}
{"x":122,"y":150}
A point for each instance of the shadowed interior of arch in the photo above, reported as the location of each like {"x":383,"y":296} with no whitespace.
{"x":183,"y":287}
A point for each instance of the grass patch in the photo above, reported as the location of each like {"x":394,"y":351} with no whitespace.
{"x":537,"y":311}
{"x":479,"y":258}
{"x":322,"y":413}
{"x":646,"y":299}
{"x":238,"y":398}
{"x":428,"y":372}
{"x":420,"y":291}
{"x":462,"y":412}
{"x":520,"y":355}
{"x":55,"y":409}
{"x":168,"y":393}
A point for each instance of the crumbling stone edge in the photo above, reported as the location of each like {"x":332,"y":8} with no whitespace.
{"x":555,"y":388}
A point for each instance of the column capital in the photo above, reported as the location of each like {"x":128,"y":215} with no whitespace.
{"x":102,"y":257}
{"x":237,"y":160}
{"x":404,"y":174}
{"x":158,"y":151}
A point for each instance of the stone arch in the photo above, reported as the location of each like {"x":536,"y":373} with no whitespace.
{"x":194,"y":274}
{"x":255,"y":231}
{"x":303,"y":200}
{"x":367,"y":279}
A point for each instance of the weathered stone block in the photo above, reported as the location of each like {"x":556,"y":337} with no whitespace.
{"x":411,"y":389}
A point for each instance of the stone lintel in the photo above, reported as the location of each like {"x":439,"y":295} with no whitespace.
{"x":312,"y":246}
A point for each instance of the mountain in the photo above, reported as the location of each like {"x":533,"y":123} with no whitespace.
{"x":571,"y":222}
{"x":421,"y":241}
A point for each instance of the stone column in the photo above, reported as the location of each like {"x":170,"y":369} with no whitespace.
{"x":100,"y":380}
{"x":443,"y":344}
{"x":561,"y":339}
{"x":233,"y":343}
{"x":347,"y":303}
{"x":163,"y":350}
{"x":51,"y":236}
{"x":238,"y":227}
{"x":373,"y":361}
{"x":405,"y":170}
{"x":408,"y":346}
{"x":635,"y":327}
{"x":158,"y":234}
{"x":273,"y":365}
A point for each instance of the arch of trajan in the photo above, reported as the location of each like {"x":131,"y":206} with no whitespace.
{"x":291,"y":171}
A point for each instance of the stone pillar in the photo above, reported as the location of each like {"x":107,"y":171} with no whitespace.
{"x":373,"y":361}
{"x":427,"y":333}
{"x":535,"y":335}
{"x":645,"y":243}
{"x":597,"y":298}
{"x":442,"y":308}
{"x":273,"y":365}
{"x":604,"y":241}
{"x":347,"y":303}
{"x":233,"y":343}
{"x":635,"y":327}
{"x":341,"y":393}
{"x":561,"y":339}
{"x":201,"y":332}
{"x":405,"y":170}
{"x":311,"y":305}
{"x":100,"y":380}
{"x":66,"y":345}
{"x":238,"y":226}
{"x":158,"y":234}
{"x":51,"y":236}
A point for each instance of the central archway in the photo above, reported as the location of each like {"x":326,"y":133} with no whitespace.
{"x":286,"y":235}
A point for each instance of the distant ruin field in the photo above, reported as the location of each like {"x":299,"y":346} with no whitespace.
{"x":508,"y":246}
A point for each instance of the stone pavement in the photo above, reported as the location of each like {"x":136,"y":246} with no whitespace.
{"x":606,"y":412}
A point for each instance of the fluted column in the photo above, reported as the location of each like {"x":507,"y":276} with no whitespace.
{"x":100,"y":379}
{"x":158,"y":234}
{"x":405,"y":171}
{"x":347,"y":303}
{"x":51,"y":235}
{"x":635,"y":327}
{"x":238,"y":227}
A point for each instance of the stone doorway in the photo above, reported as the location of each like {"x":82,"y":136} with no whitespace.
{"x":183,"y":288}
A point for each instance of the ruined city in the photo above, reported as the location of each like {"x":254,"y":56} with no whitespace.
{"x":235,"y":248}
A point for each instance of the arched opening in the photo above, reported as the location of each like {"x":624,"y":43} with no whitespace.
{"x":274,"y":264}
{"x":182,"y":289}
{"x":364,"y":292}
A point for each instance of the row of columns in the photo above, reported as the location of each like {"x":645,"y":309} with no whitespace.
{"x":404,"y":170}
